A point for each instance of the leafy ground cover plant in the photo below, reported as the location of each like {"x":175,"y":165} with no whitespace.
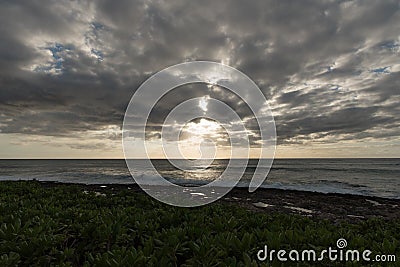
{"x":67,"y":226}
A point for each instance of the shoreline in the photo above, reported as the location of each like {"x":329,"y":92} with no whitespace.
{"x":330,"y":206}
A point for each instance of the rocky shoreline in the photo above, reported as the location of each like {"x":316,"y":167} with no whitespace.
{"x":332,"y":206}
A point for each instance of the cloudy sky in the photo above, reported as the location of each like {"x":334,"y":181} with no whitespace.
{"x":330,"y":70}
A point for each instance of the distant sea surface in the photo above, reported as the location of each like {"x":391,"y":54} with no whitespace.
{"x":369,"y":177}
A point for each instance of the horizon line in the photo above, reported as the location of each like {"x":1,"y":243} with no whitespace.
{"x":198,"y":159}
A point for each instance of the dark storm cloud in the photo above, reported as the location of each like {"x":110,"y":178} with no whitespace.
{"x":329,"y":68}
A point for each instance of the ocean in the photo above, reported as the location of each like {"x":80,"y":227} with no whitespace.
{"x":369,"y":177}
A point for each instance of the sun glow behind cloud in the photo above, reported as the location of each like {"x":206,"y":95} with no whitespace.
{"x":199,"y":139}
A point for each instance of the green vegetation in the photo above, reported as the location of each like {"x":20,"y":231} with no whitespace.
{"x":66,"y":226}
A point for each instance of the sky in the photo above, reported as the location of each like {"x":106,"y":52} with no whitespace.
{"x":330,"y":71}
